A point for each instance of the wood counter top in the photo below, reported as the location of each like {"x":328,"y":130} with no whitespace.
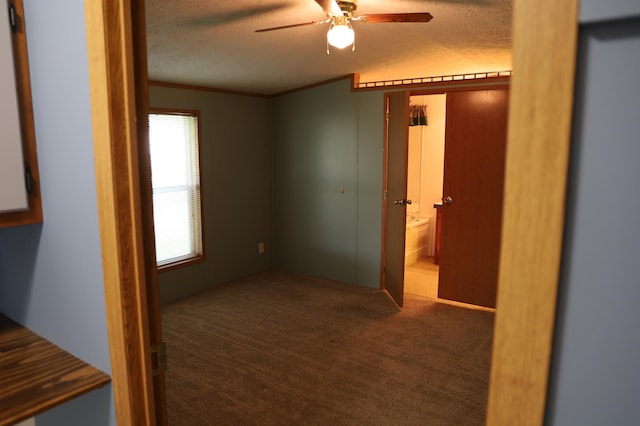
{"x":36,"y":375}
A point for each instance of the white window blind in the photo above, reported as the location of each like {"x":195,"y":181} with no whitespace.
{"x":175,"y":177}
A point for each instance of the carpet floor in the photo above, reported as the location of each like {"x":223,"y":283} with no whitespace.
{"x":283,"y":349}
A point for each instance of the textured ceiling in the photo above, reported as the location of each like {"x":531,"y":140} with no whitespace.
{"x":213,"y":43}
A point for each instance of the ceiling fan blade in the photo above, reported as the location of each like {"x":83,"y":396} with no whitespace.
{"x":397,"y":17}
{"x":263,"y":30}
{"x":233,"y":15}
{"x":330,"y":7}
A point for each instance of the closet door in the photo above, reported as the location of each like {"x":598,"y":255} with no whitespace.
{"x":475,"y":142}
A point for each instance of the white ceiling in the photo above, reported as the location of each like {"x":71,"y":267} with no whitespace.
{"x":213,"y":43}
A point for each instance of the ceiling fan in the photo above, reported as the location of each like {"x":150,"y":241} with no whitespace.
{"x":340,"y":16}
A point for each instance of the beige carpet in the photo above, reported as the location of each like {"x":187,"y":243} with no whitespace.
{"x":283,"y":349}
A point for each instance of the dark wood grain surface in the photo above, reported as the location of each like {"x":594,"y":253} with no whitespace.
{"x":474,"y":153}
{"x":36,"y":375}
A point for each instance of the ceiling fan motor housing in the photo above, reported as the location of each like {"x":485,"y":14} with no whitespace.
{"x":348,"y":6}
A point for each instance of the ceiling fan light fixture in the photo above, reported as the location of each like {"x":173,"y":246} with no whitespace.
{"x":340,"y":35}
{"x":340,"y":15}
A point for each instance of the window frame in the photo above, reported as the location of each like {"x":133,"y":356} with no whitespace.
{"x":198,"y":258}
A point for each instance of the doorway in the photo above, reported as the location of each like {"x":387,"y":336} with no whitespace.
{"x":475,"y":130}
{"x":425,"y":173}
{"x":537,"y":153}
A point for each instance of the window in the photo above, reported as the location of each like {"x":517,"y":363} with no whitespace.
{"x":175,"y":178}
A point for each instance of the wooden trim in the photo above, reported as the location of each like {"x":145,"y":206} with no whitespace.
{"x":544,"y":46}
{"x":354,"y":81}
{"x":113,"y":102}
{"x":352,"y":77}
{"x":183,"y":263}
{"x":355,"y":78}
{"x":152,"y":322}
{"x":177,"y":111}
{"x":204,"y":89}
{"x":484,"y":83}
{"x":27,"y":125}
{"x":504,"y":85}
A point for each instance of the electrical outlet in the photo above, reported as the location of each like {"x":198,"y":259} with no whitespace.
{"x":260,"y":248}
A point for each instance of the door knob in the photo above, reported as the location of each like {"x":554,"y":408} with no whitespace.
{"x":402,"y":202}
{"x":447,"y":200}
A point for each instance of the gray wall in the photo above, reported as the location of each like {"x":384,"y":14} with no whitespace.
{"x":309,"y":145}
{"x":327,"y":169}
{"x":51,"y":274}
{"x":236,"y":187}
{"x":595,"y":379}
{"x":599,"y":11}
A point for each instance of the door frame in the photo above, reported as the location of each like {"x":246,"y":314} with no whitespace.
{"x":116,"y":45}
{"x":446,"y":87}
{"x":544,"y":38}
{"x":544,"y":46}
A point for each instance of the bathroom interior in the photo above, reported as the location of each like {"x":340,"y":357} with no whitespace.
{"x":425,"y":172}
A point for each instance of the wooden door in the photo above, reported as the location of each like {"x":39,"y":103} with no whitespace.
{"x":475,"y":142}
{"x":395,"y":186}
